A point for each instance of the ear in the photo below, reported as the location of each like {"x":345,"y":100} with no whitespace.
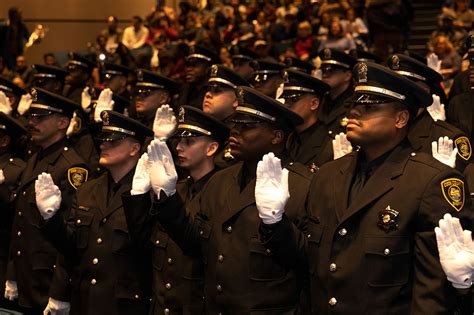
{"x":278,"y":137}
{"x":235,"y":103}
{"x":402,"y":119}
{"x":347,"y":76}
{"x":5,"y":141}
{"x":63,"y":122}
{"x":314,"y":104}
{"x":212,"y":148}
{"x":135,"y":149}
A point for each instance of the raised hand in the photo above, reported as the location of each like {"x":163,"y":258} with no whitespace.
{"x":48,"y":196}
{"x":165,"y":122}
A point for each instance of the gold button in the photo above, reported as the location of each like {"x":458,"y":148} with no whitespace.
{"x":11,"y":160}
{"x":19,"y":233}
{"x":24,"y":193}
{"x":168,"y":286}
{"x":157,"y":242}
{"x":18,"y":253}
{"x":330,"y":132}
{"x":342,"y":232}
{"x":54,"y":266}
{"x":220,"y":258}
{"x":386,"y":251}
{"x":332,"y":301}
{"x":413,"y":154}
{"x":219,"y":288}
{"x":137,"y":296}
{"x":201,"y":232}
{"x":20,"y":214}
{"x":104,"y":220}
{"x":268,"y":251}
{"x":166,"y":311}
{"x":93,"y":281}
{"x":308,"y":236}
{"x":332,"y":267}
{"x":66,"y":148}
{"x":99,"y":241}
{"x":170,"y":261}
{"x":229,"y":229}
{"x":29,"y":151}
{"x":95,"y":261}
{"x":78,"y":221}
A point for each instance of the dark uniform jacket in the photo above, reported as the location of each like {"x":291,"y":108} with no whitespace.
{"x":32,"y":257}
{"x":377,"y":254}
{"x":460,"y":112}
{"x":192,"y":94}
{"x":178,"y":279}
{"x":12,"y":169}
{"x":312,"y":147}
{"x":241,"y":275}
{"x":425,"y":130}
{"x":334,"y":112}
{"x":110,"y":274}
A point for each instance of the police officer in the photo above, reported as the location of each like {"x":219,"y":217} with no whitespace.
{"x":49,"y":78}
{"x":267,"y":76}
{"x":299,"y":65}
{"x":13,"y":95}
{"x":32,"y":258}
{"x":178,"y":279}
{"x":370,"y":226}
{"x":241,"y":61}
{"x":152,"y":90}
{"x":198,"y":64}
{"x":311,"y":144}
{"x":337,"y":72}
{"x":463,"y":81}
{"x":80,"y":71}
{"x":115,"y":77}
{"x":11,"y":168}
{"x":364,"y":56}
{"x":110,"y":275}
{"x":424,"y":129}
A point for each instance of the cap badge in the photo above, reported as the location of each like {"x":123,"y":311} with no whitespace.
{"x":181,"y":114}
{"x":388,"y":219}
{"x":285,"y":77}
{"x":395,"y":62}
{"x":214,"y":69}
{"x":327,"y":53}
{"x":140,"y":75}
{"x":240,"y":95}
{"x":362,"y":72}
{"x":34,"y":95}
{"x":105,"y":118}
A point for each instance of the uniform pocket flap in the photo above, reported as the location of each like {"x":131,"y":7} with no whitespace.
{"x":387,"y":246}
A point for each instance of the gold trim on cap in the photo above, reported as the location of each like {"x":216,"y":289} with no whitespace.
{"x":411,"y":74}
{"x":6,"y":88}
{"x":199,"y":56}
{"x":195,"y":128}
{"x":297,"y":88}
{"x":117,"y":129}
{"x":42,"y":106}
{"x":148,"y":84}
{"x":266,"y":71}
{"x":248,"y":110}
{"x":79,"y":63}
{"x":44,"y":75}
{"x":223,"y":81}
{"x":240,"y":56}
{"x":113,"y":72}
{"x":334,"y":62}
{"x":379,"y":90}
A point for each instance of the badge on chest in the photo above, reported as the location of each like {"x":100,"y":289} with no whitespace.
{"x":388,"y":219}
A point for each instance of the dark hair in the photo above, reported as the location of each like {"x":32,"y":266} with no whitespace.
{"x":138,"y":18}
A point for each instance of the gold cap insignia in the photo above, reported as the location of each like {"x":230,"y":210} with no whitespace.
{"x":240,"y":93}
{"x":453,"y":192}
{"x":343,"y":122}
{"x":181,"y":114}
{"x":77,"y":176}
{"x":395,"y":62}
{"x":327,"y":53}
{"x":388,"y":219}
{"x":285,"y":77}
{"x":140,"y":75}
{"x":362,"y":72}
{"x":105,"y":118}
{"x":34,"y":95}
{"x":464,"y":147}
{"x":214,"y":69}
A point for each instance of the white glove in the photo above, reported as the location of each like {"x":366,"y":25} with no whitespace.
{"x":271,"y":189}
{"x":48,"y":196}
{"x":141,"y":179}
{"x":443,"y":151}
{"x":165,"y":122}
{"x":436,"y":109}
{"x":456,"y":251}
{"x":11,"y":290}
{"x":5,"y":105}
{"x":104,"y":102}
{"x":155,"y":60}
{"x":2,"y":177}
{"x":86,"y":99}
{"x":25,"y":103}
{"x":341,"y":146}
{"x":279,"y":90}
{"x":434,"y":63}
{"x":74,"y":125}
{"x":163,"y":174}
{"x":56,"y":307}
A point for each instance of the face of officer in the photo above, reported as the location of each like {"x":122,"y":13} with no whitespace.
{"x":250,"y":141}
{"x":116,"y":83}
{"x":305,"y":105}
{"x":267,"y":84}
{"x":196,"y":71}
{"x":193,"y":152}
{"x":116,"y":153}
{"x":338,"y":78}
{"x":77,"y":75}
{"x":242,"y":67}
{"x":375,"y":125}
{"x":148,"y":101}
{"x":219,"y":102}
{"x":51,"y":85}
{"x":48,"y":129}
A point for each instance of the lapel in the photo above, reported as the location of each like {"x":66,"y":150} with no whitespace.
{"x":31,"y":172}
{"x":311,"y":149}
{"x":236,"y":200}
{"x":100,"y":193}
{"x":342,"y":184}
{"x":420,"y":130}
{"x":116,"y":202}
{"x":380,"y":182}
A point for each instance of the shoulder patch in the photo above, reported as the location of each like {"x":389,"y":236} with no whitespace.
{"x":453,"y":192}
{"x":464,"y":147}
{"x":77,"y":176}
